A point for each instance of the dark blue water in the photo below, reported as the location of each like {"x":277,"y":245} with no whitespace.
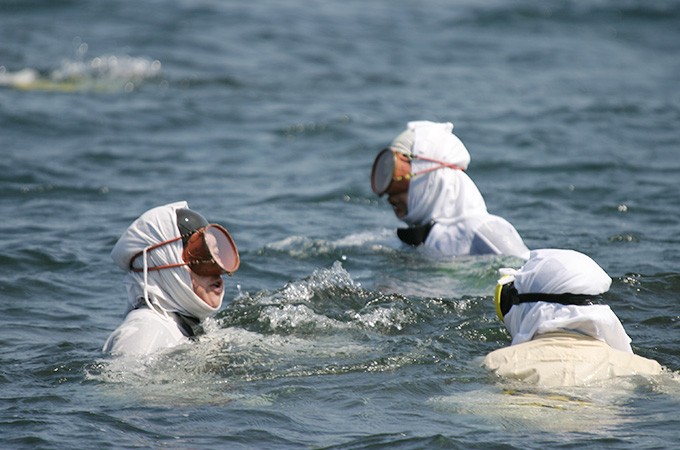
{"x":266,"y":116}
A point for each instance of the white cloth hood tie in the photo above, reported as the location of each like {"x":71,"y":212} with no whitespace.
{"x":444,"y":195}
{"x":164,"y":291}
{"x":556,"y":271}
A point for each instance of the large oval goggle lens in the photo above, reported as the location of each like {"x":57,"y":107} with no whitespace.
{"x":383,"y":171}
{"x":211,"y":251}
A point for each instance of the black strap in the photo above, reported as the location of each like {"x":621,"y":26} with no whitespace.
{"x":415,"y":235}
{"x":191,"y":326}
{"x":562,"y":299}
{"x":510,"y":297}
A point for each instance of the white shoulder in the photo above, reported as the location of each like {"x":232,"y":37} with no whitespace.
{"x":496,"y":235}
{"x":143,"y":332}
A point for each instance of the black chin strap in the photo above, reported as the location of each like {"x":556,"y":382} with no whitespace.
{"x":415,"y":235}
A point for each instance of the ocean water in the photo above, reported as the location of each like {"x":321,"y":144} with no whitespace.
{"x":266,"y":116}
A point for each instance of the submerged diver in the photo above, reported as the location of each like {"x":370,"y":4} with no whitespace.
{"x":423,"y":174}
{"x":560,"y":336}
{"x":175,"y":261}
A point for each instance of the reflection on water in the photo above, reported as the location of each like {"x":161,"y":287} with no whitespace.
{"x":601,"y":408}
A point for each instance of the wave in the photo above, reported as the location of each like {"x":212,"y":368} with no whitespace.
{"x":324,"y":324}
{"x":576,"y":11}
{"x":104,"y":73}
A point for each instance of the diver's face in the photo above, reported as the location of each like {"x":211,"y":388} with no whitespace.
{"x":209,"y":288}
{"x":399,"y":202}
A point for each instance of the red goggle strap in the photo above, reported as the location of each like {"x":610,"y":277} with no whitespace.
{"x":153,"y":247}
{"x":441,"y":165}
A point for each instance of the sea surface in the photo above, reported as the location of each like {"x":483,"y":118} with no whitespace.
{"x":266,"y":116}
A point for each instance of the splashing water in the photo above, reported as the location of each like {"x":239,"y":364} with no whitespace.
{"x":103,"y":73}
{"x":323,"y":324}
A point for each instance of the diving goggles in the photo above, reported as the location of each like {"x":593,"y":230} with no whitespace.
{"x":506,"y":295}
{"x":503,"y":296}
{"x":391,"y":171}
{"x":209,"y":251}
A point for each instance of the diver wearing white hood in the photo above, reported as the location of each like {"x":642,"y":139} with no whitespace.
{"x":559,"y":336}
{"x":423,"y":174}
{"x":175,"y":261}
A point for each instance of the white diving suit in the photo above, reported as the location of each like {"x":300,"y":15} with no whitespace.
{"x":162,"y":311}
{"x":559,"y":336}
{"x":446,"y":211}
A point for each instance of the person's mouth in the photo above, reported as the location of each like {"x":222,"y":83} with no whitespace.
{"x":217,"y":285}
